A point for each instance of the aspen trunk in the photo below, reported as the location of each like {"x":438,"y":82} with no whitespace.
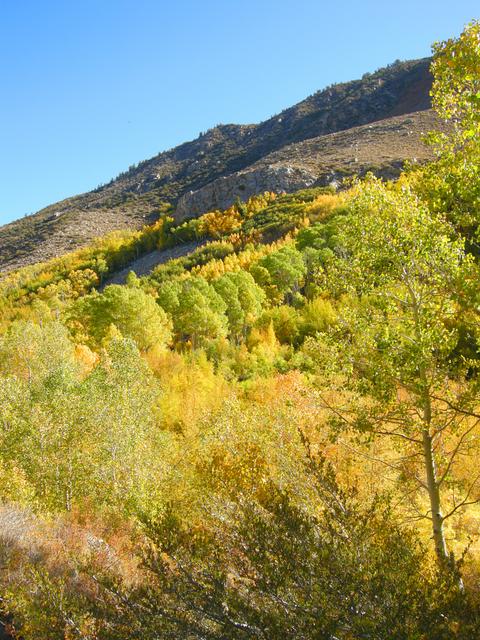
{"x":434,"y":495}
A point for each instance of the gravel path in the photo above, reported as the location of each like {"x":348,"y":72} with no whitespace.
{"x":145,"y":264}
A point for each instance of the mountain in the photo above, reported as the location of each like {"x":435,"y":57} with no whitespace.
{"x":345,"y":129}
{"x":380,"y":147}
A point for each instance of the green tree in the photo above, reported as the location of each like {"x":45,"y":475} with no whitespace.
{"x":76,"y":439}
{"x":407,"y":280}
{"x":101,"y":268}
{"x":243,"y":299}
{"x":317,"y":316}
{"x":285,"y":321}
{"x":451,"y":184}
{"x":196,"y":309}
{"x":119,"y":402}
{"x":282,"y":270}
{"x":34,"y":353}
{"x":131,"y":310}
{"x":456,"y":86}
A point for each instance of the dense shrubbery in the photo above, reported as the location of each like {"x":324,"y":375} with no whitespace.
{"x":268,"y":568}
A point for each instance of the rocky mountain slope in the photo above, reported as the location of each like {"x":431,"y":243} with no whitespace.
{"x":345,"y":129}
{"x":381,"y":147}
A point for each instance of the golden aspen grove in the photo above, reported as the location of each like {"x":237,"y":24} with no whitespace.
{"x":273,"y":436}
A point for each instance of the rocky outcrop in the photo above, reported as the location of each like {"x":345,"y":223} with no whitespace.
{"x":381,"y":148}
{"x":223,"y":192}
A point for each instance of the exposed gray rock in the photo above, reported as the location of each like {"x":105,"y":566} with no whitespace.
{"x":149,"y":261}
{"x":380,"y":147}
{"x":223,"y":192}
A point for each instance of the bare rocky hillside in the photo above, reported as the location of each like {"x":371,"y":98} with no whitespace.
{"x":345,"y":129}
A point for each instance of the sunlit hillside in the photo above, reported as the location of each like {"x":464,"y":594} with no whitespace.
{"x":262,"y":422}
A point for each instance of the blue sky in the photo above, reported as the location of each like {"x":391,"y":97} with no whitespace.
{"x":89,"y":87}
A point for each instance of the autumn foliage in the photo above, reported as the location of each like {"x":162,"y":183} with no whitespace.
{"x":275,"y":435}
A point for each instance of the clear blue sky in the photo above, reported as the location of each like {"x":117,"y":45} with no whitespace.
{"x":88,"y":87}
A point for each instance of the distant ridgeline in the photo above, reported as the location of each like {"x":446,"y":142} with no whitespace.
{"x":347,"y":129}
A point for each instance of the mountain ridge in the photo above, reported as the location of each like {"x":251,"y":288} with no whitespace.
{"x":138,"y":196}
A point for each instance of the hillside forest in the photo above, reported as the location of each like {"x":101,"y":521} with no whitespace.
{"x":274,"y":434}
